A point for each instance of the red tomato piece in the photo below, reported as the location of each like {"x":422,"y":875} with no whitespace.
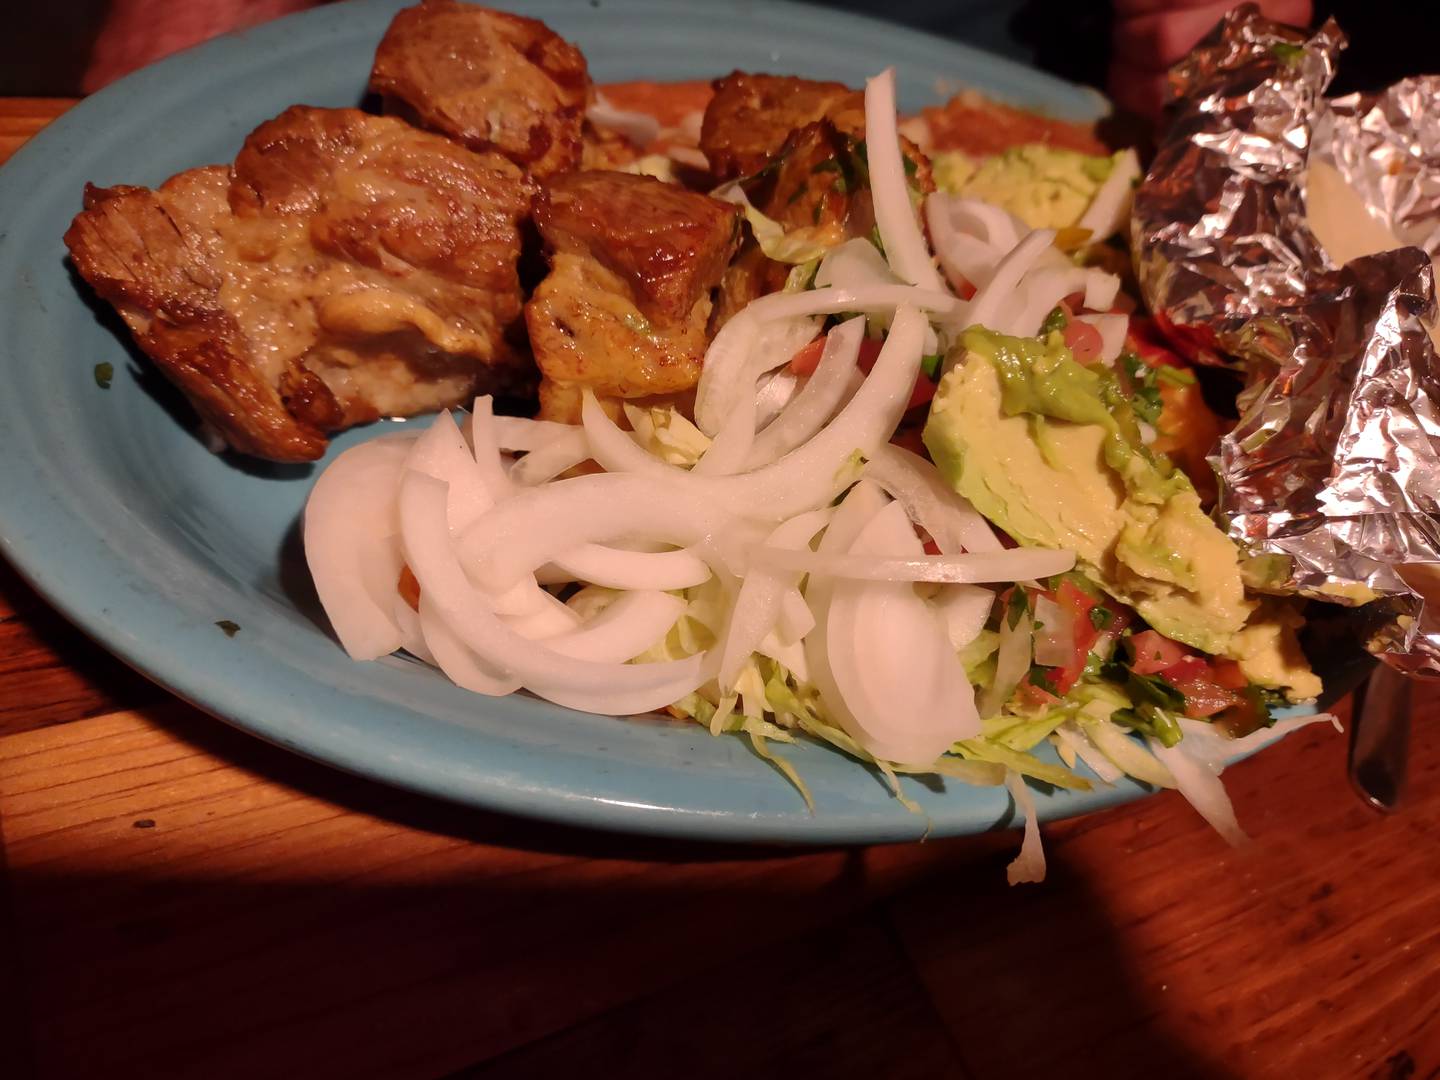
{"x":1153,"y":653}
{"x":1229,"y":675}
{"x":1083,"y":341}
{"x":1206,"y":698}
{"x":807,"y":358}
{"x":1077,"y":605}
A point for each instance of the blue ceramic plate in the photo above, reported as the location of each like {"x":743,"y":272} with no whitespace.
{"x":115,"y":511}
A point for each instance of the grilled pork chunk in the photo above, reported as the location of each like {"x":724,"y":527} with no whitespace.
{"x":625,"y":308}
{"x":751,"y":116}
{"x":348,"y":267}
{"x":488,"y":79}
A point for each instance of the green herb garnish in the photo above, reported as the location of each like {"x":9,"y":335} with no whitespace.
{"x":230,"y":628}
{"x":103,"y":374}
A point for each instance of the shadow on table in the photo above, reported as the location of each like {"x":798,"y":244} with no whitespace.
{"x":366,"y":950}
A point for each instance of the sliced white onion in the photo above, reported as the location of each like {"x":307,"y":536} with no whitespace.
{"x":1017,"y":564}
{"x":809,"y":476}
{"x":351,"y":533}
{"x":1029,"y":865}
{"x":905,"y":248}
{"x":615,"y":568}
{"x":891,"y":658}
{"x":986,"y":305}
{"x":1199,"y":781}
{"x":1203,"y":742}
{"x":856,"y":263}
{"x":640,"y":128}
{"x":540,"y":525}
{"x":773,"y":328}
{"x":856,"y":510}
{"x":559,"y":455}
{"x":1113,"y":329}
{"x":934,"y":505}
{"x":459,"y":663}
{"x":971,"y":236}
{"x":757,"y":605}
{"x":964,"y":610}
{"x":413,"y":637}
{"x":796,"y":619}
{"x":817,"y":401}
{"x":519,"y":433}
{"x":550,"y":618}
{"x":775,"y":393}
{"x":732,"y":444}
{"x":633,"y":623}
{"x":1040,"y":292}
{"x":612,"y":688}
{"x":487,"y":448}
{"x":1109,"y":210}
{"x":442,"y":452}
{"x":1054,"y":633}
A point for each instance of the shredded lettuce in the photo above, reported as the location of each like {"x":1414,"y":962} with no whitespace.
{"x":801,"y":245}
{"x":665,"y":432}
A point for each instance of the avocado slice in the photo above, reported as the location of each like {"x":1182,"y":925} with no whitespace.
{"x":1048,"y":449}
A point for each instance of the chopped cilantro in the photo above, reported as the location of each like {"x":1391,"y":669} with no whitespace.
{"x":1101,"y":617}
{"x":1055,"y":321}
{"x":1144,"y":392}
{"x":930,"y":365}
{"x":1018,"y":605}
{"x":103,"y":374}
{"x":1175,"y":376}
{"x":230,"y":628}
{"x":842,"y":182}
{"x":910,"y":167}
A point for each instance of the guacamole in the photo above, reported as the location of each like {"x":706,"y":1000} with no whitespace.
{"x":1048,"y":449}
{"x":1045,"y":187}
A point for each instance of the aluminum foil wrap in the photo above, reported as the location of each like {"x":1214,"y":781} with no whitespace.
{"x":1334,"y":466}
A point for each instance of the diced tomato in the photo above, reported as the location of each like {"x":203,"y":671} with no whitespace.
{"x":1229,"y":675}
{"x":1031,"y":694}
{"x":409,"y":588}
{"x":1083,"y":341}
{"x":1186,"y":669}
{"x":807,"y":359}
{"x":1076,"y":604}
{"x":962,"y":286}
{"x":1074,"y":302}
{"x":1204,"y":697}
{"x":1153,"y":653}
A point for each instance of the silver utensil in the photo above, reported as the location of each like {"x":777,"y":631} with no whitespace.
{"x":1380,"y":741}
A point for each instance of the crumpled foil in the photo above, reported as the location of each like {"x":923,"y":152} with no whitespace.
{"x":1335,"y":462}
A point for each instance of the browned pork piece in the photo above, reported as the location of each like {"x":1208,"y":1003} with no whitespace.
{"x":751,"y":116}
{"x":625,"y":308}
{"x":348,"y":267}
{"x":814,"y":176}
{"x":488,"y":79}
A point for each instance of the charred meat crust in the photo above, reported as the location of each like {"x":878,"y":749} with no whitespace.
{"x":488,"y":79}
{"x":669,"y":244}
{"x":625,"y":308}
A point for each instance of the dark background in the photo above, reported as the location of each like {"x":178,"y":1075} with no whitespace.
{"x":46,"y":46}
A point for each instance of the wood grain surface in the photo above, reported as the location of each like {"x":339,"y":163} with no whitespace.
{"x":180,"y":899}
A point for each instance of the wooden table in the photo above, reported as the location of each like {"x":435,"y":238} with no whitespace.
{"x":183,"y":900}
